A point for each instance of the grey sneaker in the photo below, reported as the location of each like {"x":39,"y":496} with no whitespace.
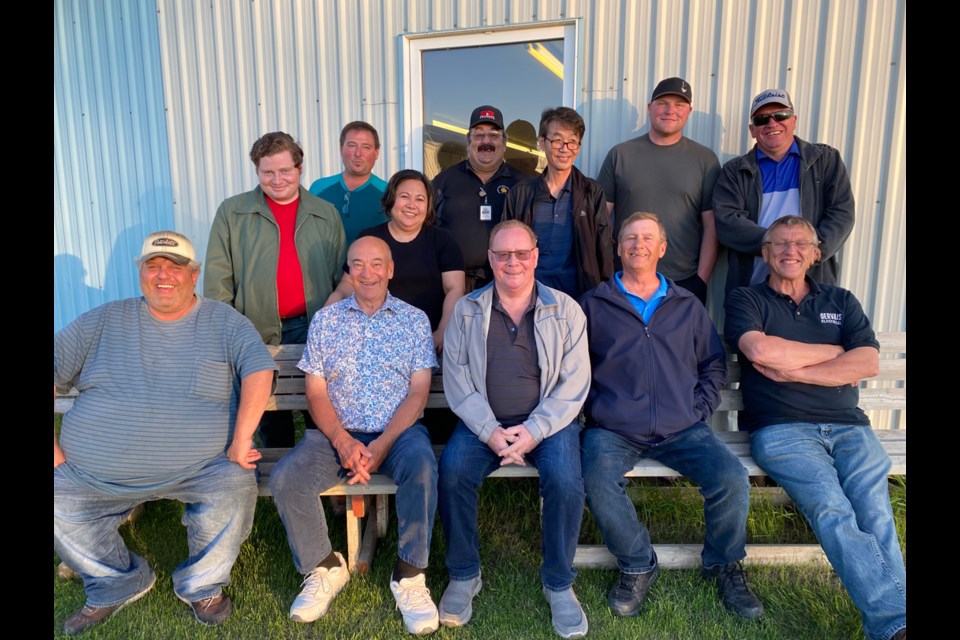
{"x":456,"y":605}
{"x":566,"y":614}
{"x":320,"y":587}
{"x":420,"y":615}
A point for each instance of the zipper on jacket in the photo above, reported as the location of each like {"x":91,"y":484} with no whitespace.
{"x":652,"y":427}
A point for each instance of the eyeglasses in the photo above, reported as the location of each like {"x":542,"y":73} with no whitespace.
{"x":779,"y":116}
{"x":345,"y":209}
{"x":559,"y":143}
{"x":504,"y":256}
{"x":493,"y":136}
{"x":801,"y":245}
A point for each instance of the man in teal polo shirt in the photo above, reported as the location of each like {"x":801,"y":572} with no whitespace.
{"x":355,"y":192}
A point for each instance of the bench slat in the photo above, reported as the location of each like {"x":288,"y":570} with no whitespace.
{"x":687,"y":556}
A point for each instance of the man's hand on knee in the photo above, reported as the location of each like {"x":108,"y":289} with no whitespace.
{"x":242,"y":452}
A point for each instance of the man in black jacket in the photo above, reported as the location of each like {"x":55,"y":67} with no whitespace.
{"x":566,"y":209}
{"x":782,"y":175}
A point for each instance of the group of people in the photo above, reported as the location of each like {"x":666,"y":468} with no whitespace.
{"x":560,"y":348}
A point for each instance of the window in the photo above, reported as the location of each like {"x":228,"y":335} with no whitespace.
{"x":521,"y":71}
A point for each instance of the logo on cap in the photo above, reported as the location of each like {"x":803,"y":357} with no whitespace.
{"x":486,"y":114}
{"x":165,"y":242}
{"x":771,"y":94}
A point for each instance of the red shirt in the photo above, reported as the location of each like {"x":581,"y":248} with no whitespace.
{"x":291,"y":299}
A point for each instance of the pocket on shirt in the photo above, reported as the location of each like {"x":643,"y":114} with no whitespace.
{"x":212,"y":380}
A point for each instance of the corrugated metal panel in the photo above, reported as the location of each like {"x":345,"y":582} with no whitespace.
{"x":234,"y":70}
{"x":111,"y":169}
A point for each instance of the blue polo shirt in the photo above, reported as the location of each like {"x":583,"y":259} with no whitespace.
{"x":781,"y":196}
{"x":644,"y":307}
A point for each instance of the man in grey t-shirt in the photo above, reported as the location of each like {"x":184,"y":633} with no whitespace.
{"x":665,"y":173}
{"x":171,"y":388}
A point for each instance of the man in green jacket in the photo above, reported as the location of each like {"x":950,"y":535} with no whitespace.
{"x":275,"y":254}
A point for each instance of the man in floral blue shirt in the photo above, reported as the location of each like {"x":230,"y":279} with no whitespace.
{"x":368,"y":362}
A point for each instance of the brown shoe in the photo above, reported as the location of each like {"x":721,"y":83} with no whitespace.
{"x":211,"y":610}
{"x":91,"y":616}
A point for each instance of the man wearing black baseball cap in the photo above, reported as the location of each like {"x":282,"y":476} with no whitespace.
{"x":782,"y":175}
{"x":470,"y":194}
{"x":670,"y":175}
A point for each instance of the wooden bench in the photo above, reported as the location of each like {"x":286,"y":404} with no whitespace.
{"x":883,"y":397}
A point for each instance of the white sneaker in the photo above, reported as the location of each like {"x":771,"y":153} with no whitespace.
{"x":320,"y":587}
{"x":420,"y":614}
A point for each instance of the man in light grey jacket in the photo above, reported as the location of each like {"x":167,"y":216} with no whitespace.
{"x":516,"y":370}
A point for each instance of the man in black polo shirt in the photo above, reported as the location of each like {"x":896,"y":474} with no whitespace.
{"x":804,"y":347}
{"x":470,"y":194}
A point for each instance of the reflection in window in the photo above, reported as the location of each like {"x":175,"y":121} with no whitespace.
{"x":521,"y":79}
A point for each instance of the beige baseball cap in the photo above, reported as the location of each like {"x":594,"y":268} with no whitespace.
{"x":168,"y":244}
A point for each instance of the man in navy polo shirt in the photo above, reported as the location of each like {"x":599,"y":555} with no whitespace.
{"x":804,"y":347}
{"x":782,"y":175}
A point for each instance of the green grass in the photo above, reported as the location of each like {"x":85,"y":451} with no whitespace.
{"x":801,"y":601}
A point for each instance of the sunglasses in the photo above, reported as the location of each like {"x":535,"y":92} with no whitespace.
{"x":779,"y":116}
{"x":504,"y":256}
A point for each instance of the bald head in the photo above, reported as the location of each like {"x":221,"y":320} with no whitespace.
{"x":369,"y":243}
{"x":371,"y":267}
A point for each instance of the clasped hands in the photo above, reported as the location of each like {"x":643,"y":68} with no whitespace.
{"x":358,"y":459}
{"x":511,"y":444}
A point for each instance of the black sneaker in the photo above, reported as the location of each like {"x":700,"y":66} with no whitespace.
{"x":628,"y":594}
{"x":733,"y":589}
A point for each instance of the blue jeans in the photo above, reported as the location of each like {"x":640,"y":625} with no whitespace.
{"x":466,"y":462}
{"x":314,"y":466}
{"x":837,"y":476}
{"x":219,"y":504}
{"x":698,"y":454}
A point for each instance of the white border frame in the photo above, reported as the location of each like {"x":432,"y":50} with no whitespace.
{"x":411,"y":155}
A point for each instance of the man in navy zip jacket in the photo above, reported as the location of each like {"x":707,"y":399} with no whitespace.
{"x":658,"y":366}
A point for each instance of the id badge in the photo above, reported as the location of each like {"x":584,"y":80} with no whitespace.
{"x":486,"y":212}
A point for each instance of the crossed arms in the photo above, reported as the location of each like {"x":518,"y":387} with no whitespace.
{"x":826,"y":365}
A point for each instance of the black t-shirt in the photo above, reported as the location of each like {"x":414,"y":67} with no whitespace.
{"x":418,"y":265}
{"x":826,"y":315}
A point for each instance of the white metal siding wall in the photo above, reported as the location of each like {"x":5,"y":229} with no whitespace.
{"x":111,"y":180}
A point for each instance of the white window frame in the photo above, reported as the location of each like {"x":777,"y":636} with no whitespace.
{"x":411,"y":156}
